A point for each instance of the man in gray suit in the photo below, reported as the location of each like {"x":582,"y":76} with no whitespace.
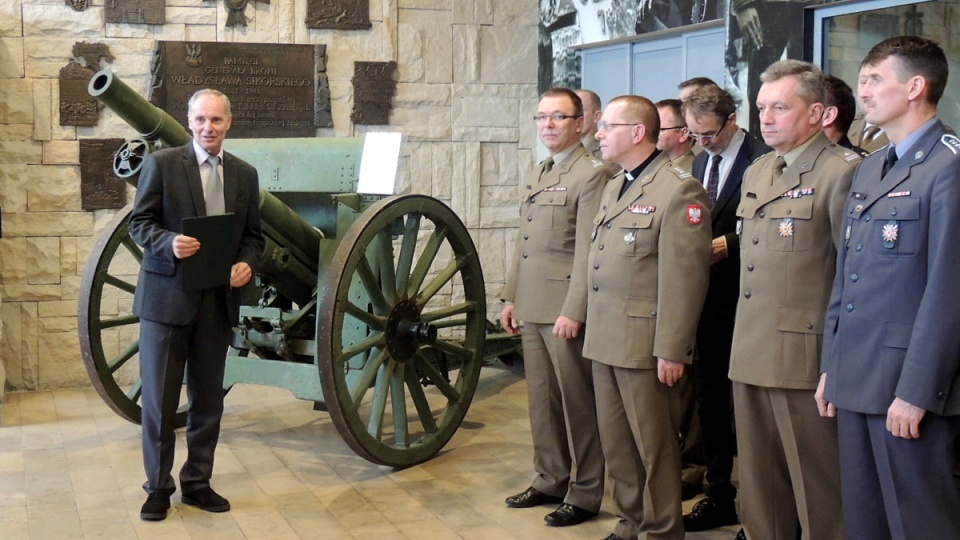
{"x":546,"y":290}
{"x":892,"y":347}
{"x":182,"y":329}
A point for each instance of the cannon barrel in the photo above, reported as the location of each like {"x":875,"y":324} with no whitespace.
{"x":150,"y":121}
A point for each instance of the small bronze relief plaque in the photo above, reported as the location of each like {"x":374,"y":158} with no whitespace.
{"x":77,"y":108}
{"x":271,"y":86}
{"x":338,"y":14}
{"x":91,"y":53}
{"x":99,"y":187}
{"x":77,"y":5}
{"x":134,"y":11}
{"x":374,"y":84}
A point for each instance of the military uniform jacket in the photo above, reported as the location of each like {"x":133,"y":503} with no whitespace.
{"x":546,"y":279}
{"x":649,"y":268}
{"x":788,"y":239}
{"x":893,"y":327}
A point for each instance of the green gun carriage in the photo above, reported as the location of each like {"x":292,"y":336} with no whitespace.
{"x":372,"y":307}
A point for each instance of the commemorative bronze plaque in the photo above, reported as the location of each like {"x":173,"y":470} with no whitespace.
{"x":374,"y":84}
{"x":338,"y":14}
{"x":134,"y":11}
{"x":77,"y":107}
{"x":99,"y":187}
{"x":271,"y":86}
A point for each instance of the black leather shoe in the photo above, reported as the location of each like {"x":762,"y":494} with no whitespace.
{"x":710,"y":513}
{"x":741,"y":535}
{"x":567,"y":514}
{"x":155,"y":509}
{"x":206,"y":499}
{"x":530,"y":498}
{"x":689,"y":490}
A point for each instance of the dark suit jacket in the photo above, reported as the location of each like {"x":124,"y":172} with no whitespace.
{"x":721,"y":302}
{"x":892,"y":323}
{"x":168,"y":191}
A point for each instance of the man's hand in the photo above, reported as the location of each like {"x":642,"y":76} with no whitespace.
{"x":185,"y":246}
{"x":240,"y":275}
{"x":903,"y":419}
{"x":507,"y":321}
{"x":826,"y":408}
{"x":749,"y":23}
{"x":718,"y":250}
{"x":668,"y":371}
{"x":566,"y":328}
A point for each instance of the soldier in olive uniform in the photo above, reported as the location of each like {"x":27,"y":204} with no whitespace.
{"x":891,"y":351}
{"x":647,"y":276}
{"x":591,"y":114}
{"x":546,"y":290}
{"x":791,"y":215}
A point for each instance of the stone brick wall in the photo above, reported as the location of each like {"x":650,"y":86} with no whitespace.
{"x":466,"y":92}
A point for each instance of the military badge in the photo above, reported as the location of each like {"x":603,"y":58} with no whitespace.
{"x":858,"y":208}
{"x":951,"y":142}
{"x":694,"y":213}
{"x":786,"y":228}
{"x":630,"y":237}
{"x":890,"y":231}
{"x":918,"y":155}
{"x":641,"y":209}
{"x":555,"y":188}
{"x":898,"y":194}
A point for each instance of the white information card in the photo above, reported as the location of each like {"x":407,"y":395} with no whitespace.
{"x":378,"y":164}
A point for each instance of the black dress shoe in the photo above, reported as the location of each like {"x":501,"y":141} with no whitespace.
{"x":689,"y":490}
{"x":710,"y":513}
{"x":530,"y":498}
{"x":155,"y":509}
{"x":741,"y":535}
{"x":567,"y":514}
{"x":206,"y":499}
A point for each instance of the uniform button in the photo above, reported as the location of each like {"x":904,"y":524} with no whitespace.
{"x":595,"y":288}
{"x":526,"y":237}
{"x":596,"y":266}
{"x":756,"y":241}
{"x":849,"y":307}
{"x":789,"y":211}
{"x":747,"y":294}
{"x":551,"y":199}
{"x":866,"y":217}
{"x":941,"y":395}
{"x":894,"y":212}
{"x":524,"y":255}
{"x":855,"y":277}
{"x":763,"y":214}
{"x":689,"y":351}
{"x":609,"y":225}
{"x":533,"y":200}
{"x":809,"y":326}
{"x":749,"y":268}
{"x":601,"y":247}
{"x":528,"y":187}
{"x":859,"y":247}
{"x":529,"y":218}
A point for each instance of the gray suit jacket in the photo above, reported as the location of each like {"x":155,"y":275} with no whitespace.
{"x":168,"y":191}
{"x":892,"y":325}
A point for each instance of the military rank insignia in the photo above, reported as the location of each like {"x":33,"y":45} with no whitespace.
{"x":890,"y":232}
{"x":951,"y":142}
{"x":555,"y":188}
{"x":694,"y":213}
{"x":641,"y":209}
{"x":786,"y":228}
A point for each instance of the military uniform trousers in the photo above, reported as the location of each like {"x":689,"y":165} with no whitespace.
{"x":634,"y":411}
{"x":789,"y":465}
{"x":887,"y":475}
{"x":563,"y":419}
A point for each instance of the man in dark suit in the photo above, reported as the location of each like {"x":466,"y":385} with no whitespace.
{"x":710,"y":114}
{"x":546,"y":290}
{"x":181,"y":329}
{"x":891,"y":347}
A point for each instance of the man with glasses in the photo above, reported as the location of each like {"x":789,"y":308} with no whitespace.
{"x":646,"y":278}
{"x":546,"y":290}
{"x":711,"y":117}
{"x":791,"y":212}
{"x":675,"y":139}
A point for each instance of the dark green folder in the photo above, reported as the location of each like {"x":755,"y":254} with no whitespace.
{"x":210,"y":265}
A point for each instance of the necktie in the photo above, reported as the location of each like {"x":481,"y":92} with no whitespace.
{"x":213,"y":192}
{"x":548,"y":164}
{"x":713,"y":180}
{"x":869,"y":133}
{"x":889,"y":162}
{"x":778,"y":165}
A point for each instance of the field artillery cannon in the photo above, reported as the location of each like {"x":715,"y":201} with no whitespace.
{"x":373,"y":308}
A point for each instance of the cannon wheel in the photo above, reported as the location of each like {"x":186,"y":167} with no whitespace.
{"x":109,"y":331}
{"x":400,"y":330}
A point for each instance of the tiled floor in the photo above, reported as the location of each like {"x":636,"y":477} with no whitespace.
{"x":71,"y":468}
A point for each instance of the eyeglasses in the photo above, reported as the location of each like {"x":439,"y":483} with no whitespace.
{"x":604,"y":126}
{"x":541,"y":118}
{"x":672,"y":128}
{"x":709,"y":136}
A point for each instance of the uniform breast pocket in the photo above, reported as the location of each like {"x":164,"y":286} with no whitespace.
{"x":634,"y":237}
{"x":789,"y":224}
{"x":552,"y":209}
{"x":896,"y":227}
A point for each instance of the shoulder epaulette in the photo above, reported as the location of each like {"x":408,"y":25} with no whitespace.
{"x":951,"y":141}
{"x":682,"y":173}
{"x":597,"y":163}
